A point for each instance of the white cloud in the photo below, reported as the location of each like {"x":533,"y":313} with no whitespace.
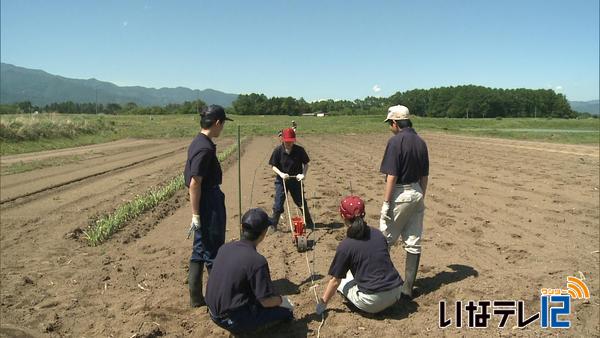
{"x":558,"y":88}
{"x":125,"y":23}
{"x":376,"y":88}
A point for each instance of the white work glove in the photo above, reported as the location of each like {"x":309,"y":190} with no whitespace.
{"x":284,"y":176}
{"x":195,"y":225}
{"x":386,"y":212}
{"x":300,"y":177}
{"x":285,"y":302}
{"x":321,"y":307}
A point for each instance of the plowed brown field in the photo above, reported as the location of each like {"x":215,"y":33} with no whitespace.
{"x":503,"y":219}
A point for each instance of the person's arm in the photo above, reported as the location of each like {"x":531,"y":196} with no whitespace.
{"x":277,"y":171}
{"x":304,"y":169}
{"x":390,"y":182}
{"x":195,"y":191}
{"x":389,"y":166}
{"x":423,"y":182}
{"x":331,"y":288}
{"x":271,"y":301}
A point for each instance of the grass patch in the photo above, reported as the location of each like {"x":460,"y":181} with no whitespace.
{"x":21,"y":167}
{"x":176,"y":126}
{"x":48,"y":126}
{"x":104,"y":227}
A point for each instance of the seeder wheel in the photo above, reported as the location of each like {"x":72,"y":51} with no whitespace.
{"x":302,"y":243}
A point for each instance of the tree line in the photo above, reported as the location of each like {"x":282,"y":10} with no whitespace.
{"x":69,"y":107}
{"x":458,"y":102}
{"x":454,"y":102}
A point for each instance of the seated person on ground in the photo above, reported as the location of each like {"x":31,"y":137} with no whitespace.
{"x":362,"y":269}
{"x":239,"y":292}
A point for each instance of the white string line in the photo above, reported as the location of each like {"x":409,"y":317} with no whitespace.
{"x":254,"y":178}
{"x":312,"y":276}
{"x":314,"y":288}
{"x":312,"y":273}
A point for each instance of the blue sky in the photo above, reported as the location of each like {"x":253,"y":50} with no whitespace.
{"x":311,"y":49}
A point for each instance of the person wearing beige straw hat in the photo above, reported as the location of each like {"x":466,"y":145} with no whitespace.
{"x":406,"y":166}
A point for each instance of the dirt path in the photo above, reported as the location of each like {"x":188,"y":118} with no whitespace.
{"x":504,"y":218}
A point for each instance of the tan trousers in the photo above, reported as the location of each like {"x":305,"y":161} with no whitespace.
{"x":368,"y":302}
{"x":409,"y":210}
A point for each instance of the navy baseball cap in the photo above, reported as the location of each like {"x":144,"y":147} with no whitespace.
{"x":255,"y":220}
{"x":215,"y":112}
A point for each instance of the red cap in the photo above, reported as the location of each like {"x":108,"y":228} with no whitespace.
{"x":289,"y":135}
{"x":352,"y":207}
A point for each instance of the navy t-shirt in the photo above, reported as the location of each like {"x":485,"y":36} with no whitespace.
{"x":406,"y":157}
{"x":239,"y":276}
{"x":369,"y":261}
{"x":202,"y":161}
{"x":289,"y":163}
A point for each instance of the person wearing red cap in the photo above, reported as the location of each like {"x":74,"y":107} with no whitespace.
{"x":290,"y":162}
{"x":362,"y":269}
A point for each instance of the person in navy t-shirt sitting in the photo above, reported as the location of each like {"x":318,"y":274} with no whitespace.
{"x":362,"y":269}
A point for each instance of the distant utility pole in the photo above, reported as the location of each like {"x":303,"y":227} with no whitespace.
{"x":96,"y":100}
{"x":198,"y":103}
{"x":535,"y":112}
{"x":467,"y":113}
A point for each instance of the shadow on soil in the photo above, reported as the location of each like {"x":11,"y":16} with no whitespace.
{"x":332,"y":225}
{"x":429,"y":284}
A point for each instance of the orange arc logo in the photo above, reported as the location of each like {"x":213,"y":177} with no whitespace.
{"x":577,"y":288}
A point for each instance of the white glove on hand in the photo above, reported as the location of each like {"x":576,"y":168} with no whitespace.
{"x":284,"y":176}
{"x":300,"y":177}
{"x":386,"y":213}
{"x":285,"y":302}
{"x":195,"y":225}
{"x":321,"y":307}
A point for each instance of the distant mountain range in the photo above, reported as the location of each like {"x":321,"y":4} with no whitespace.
{"x":19,"y":84}
{"x":592,"y":107}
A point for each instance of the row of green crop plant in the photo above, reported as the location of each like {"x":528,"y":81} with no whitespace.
{"x":104,"y":227}
{"x":48,"y":126}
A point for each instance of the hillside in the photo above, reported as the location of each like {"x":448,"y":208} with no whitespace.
{"x":592,"y":107}
{"x":19,"y":84}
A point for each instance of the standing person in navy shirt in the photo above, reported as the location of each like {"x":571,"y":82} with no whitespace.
{"x":289,"y":159}
{"x":203,"y":177}
{"x":362,"y":269}
{"x":406,"y":166}
{"x":239,"y":293}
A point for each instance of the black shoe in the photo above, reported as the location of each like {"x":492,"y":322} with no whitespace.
{"x":274,"y":220}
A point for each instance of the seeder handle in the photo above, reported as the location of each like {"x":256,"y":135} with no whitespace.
{"x":287,"y":203}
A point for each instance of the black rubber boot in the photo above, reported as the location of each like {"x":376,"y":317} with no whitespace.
{"x":274,"y":220}
{"x":412,"y":266}
{"x":195,"y":284}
